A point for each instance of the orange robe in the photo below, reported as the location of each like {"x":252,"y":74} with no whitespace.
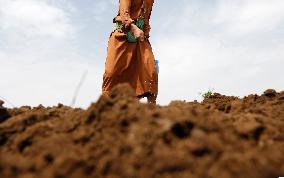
{"x":131,"y":63}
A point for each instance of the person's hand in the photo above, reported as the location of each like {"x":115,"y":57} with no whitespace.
{"x":137,"y":32}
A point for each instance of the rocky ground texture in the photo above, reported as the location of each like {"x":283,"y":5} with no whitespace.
{"x":221,"y":137}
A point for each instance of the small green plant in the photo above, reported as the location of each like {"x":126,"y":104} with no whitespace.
{"x":207,"y":94}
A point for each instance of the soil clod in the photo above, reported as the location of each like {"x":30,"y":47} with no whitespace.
{"x":223,"y":136}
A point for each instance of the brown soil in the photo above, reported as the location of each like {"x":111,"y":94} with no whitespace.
{"x":222,"y":137}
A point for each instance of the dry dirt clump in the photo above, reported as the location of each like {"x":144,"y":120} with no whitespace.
{"x":119,"y":137}
{"x":4,"y":114}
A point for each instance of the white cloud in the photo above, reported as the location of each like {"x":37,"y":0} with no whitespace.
{"x":34,"y":17}
{"x":102,"y":7}
{"x":49,"y":82}
{"x":189,"y":65}
{"x":235,"y":47}
{"x":39,"y":57}
{"x":36,"y":30}
{"x":243,"y":16}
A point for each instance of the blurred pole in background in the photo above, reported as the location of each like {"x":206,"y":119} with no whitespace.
{"x":78,"y":88}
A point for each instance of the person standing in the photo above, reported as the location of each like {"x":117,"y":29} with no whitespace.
{"x":129,"y":55}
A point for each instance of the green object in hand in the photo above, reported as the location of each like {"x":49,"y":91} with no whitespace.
{"x":130,"y":37}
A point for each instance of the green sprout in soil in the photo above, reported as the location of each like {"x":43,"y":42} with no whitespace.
{"x":206,"y":95}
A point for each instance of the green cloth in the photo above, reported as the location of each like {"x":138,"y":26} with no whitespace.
{"x":140,"y":24}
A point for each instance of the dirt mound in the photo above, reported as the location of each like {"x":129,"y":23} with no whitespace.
{"x":223,"y":137}
{"x":4,"y":114}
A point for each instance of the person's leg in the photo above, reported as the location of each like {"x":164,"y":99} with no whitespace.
{"x":142,"y":96}
{"x":151,"y":98}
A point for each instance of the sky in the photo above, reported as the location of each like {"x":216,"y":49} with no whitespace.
{"x":233,"y":47}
